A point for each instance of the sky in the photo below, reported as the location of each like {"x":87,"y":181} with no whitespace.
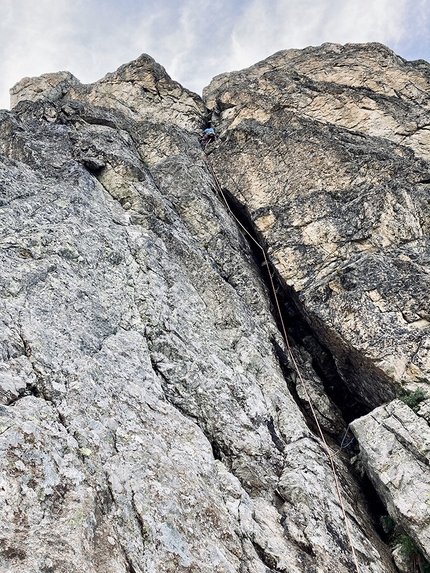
{"x":193,"y":39}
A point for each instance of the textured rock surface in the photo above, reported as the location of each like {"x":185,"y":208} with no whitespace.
{"x":148,"y":423}
{"x":340,"y":195}
{"x":365,"y":88}
{"x":326,"y":151}
{"x":395,"y":449}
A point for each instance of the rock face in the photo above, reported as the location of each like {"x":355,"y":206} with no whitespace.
{"x":326,"y":151}
{"x":343,"y":209}
{"x":151,"y":417}
{"x":395,"y":448}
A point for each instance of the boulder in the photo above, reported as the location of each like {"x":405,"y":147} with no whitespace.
{"x":395,"y":450}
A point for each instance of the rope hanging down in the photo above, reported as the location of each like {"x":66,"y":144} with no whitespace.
{"x":330,"y":455}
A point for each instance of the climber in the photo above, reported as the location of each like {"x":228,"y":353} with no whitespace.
{"x":208,"y":135}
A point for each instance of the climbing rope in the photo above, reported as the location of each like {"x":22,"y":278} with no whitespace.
{"x":330,"y":455}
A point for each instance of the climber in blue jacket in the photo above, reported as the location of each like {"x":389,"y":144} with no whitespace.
{"x":208,"y":135}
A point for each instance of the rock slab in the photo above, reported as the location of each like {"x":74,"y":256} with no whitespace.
{"x":395,"y":450}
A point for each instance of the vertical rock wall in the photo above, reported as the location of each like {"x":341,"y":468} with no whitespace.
{"x":342,"y":207}
{"x":147,"y":422}
{"x":326,"y":150}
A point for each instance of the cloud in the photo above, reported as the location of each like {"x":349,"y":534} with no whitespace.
{"x":312,"y":22}
{"x":193,"y":39}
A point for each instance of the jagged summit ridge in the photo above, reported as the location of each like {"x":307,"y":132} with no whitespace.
{"x":140,"y":89}
{"x":151,"y":418}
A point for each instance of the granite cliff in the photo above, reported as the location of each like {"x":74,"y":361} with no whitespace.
{"x":153,"y":417}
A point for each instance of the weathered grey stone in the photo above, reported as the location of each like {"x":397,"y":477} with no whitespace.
{"x":313,"y":393}
{"x":147,"y":423}
{"x":48,"y":87}
{"x":315,"y":146}
{"x":400,"y":559}
{"x":395,"y":450}
{"x":423,"y":410}
{"x":365,"y":88}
